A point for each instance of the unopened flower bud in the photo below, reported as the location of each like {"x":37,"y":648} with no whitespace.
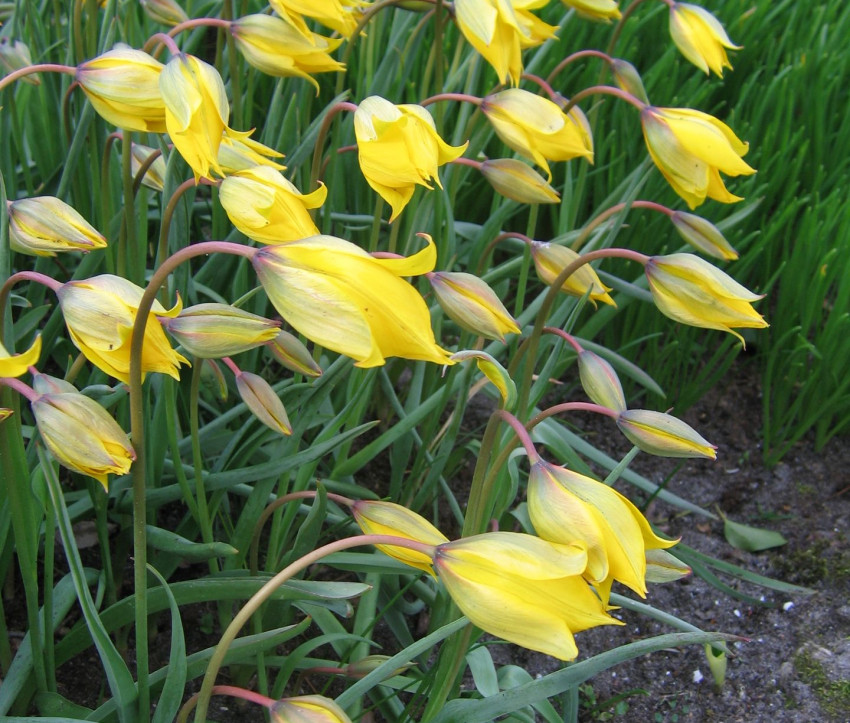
{"x":16,"y":365}
{"x":495,"y":373}
{"x":5,"y":413}
{"x":663,"y":434}
{"x":600,"y":382}
{"x":307,"y":709}
{"x":661,"y":566}
{"x":518,"y":181}
{"x":472,"y":304}
{"x":15,"y":55}
{"x":213,"y":331}
{"x":155,"y":174}
{"x":167,"y":12}
{"x":45,"y":225}
{"x":628,"y":79}
{"x":361,"y":668}
{"x":290,"y":352}
{"x":700,"y":37}
{"x":551,"y":259}
{"x":47,"y":384}
{"x":262,"y":400}
{"x":703,"y":235}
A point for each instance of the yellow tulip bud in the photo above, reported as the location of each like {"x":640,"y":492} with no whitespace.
{"x":123,"y":87}
{"x":263,"y":402}
{"x":16,"y":365}
{"x":387,"y":518}
{"x":663,"y":435}
{"x":605,"y":10}
{"x":307,"y":709}
{"x":661,"y":566}
{"x":565,"y":506}
{"x":213,"y":331}
{"x":499,"y":31}
{"x":15,"y":55}
{"x":238,"y":152}
{"x":341,"y":297}
{"x":82,"y":435}
{"x":691,"y":291}
{"x":523,"y":589}
{"x":398,"y":148}
{"x":628,"y":79}
{"x":472,"y":304}
{"x":361,"y":668}
{"x":279,"y":49}
{"x":600,"y":382}
{"x":167,"y":12}
{"x":46,"y":225}
{"x":290,"y":352}
{"x":537,"y":128}
{"x":100,"y":312}
{"x":700,"y":37}
{"x":551,"y":259}
{"x":691,"y":149}
{"x":155,"y":175}
{"x":703,"y":235}
{"x":266,"y":207}
{"x":517,"y":181}
{"x":496,"y":374}
{"x":47,"y":384}
{"x":340,"y":15}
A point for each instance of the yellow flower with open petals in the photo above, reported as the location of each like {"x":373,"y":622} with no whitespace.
{"x":398,"y":148}
{"x":700,"y":37}
{"x":551,"y":259}
{"x":523,"y":589}
{"x":339,"y":15}
{"x":266,"y":207}
{"x":565,"y":506}
{"x":341,"y":297}
{"x":307,"y":709}
{"x":537,"y":128}
{"x":196,"y":111}
{"x":691,"y":148}
{"x":16,"y":365}
{"x":692,"y":291}
{"x":606,"y":10}
{"x":100,"y":312}
{"x":501,"y":29}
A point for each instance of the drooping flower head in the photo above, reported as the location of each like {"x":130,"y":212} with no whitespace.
{"x":551,"y":259}
{"x":339,"y":15}
{"x":100,"y":312}
{"x":700,"y":37}
{"x":46,"y":225}
{"x":341,"y":297}
{"x":518,"y":181}
{"x":663,"y":434}
{"x":605,"y":10}
{"x":213,"y":331}
{"x":307,"y":709}
{"x":691,"y":149}
{"x":472,"y":304}
{"x":398,"y":148}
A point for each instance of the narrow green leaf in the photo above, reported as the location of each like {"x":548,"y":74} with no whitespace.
{"x":172,"y":691}
{"x":750,"y":539}
{"x":167,"y":541}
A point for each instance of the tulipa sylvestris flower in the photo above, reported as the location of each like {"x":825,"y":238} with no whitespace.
{"x":339,"y":296}
{"x":691,"y":149}
{"x":700,"y":37}
{"x":517,"y":181}
{"x":167,"y":12}
{"x":606,"y":10}
{"x":277,"y":48}
{"x":501,"y":29}
{"x":692,"y":291}
{"x":290,"y":352}
{"x":263,"y":402}
{"x":307,"y":709}
{"x":565,"y":506}
{"x":100,"y":312}
{"x":472,"y":304}
{"x":45,"y":225}
{"x":155,"y":175}
{"x":398,"y":147}
{"x":537,"y":128}
{"x":266,"y":207}
{"x":196,"y":111}
{"x":703,"y":235}
{"x":600,"y":382}
{"x":339,"y":15}
{"x":388,"y":518}
{"x":495,"y":373}
{"x":123,"y":87}
{"x":82,"y":435}
{"x":16,"y":365}
{"x":663,"y":434}
{"x":213,"y":331}
{"x":523,"y":589}
{"x":551,"y":259}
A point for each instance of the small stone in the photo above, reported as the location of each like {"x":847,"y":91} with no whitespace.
{"x":786,"y":673}
{"x":697,"y":676}
{"x":787,"y":606}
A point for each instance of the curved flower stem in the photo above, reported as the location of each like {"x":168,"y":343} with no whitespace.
{"x":461,"y":161}
{"x":160,"y":39}
{"x":320,"y":140}
{"x":134,"y":256}
{"x":230,"y":690}
{"x":490,"y":246}
{"x":197,"y":23}
{"x":266,"y":591}
{"x":571,"y":407}
{"x":463,"y":97}
{"x":569,"y":338}
{"x":144,"y":167}
{"x":615,"y":36}
{"x":167,"y":215}
{"x":604,"y":90}
{"x":613,"y":210}
{"x":38,"y":68}
{"x":40,"y":278}
{"x":23,"y":389}
{"x":550,"y":91}
{"x":520,"y":431}
{"x":137,"y":434}
{"x":577,"y":56}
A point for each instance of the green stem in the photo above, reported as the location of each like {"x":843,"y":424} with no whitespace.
{"x":315,"y":169}
{"x":204,"y":521}
{"x":135,"y":261}
{"x":476,"y":508}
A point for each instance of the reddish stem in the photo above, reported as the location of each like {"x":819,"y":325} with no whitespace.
{"x":604,"y":90}
{"x":463,"y":97}
{"x":571,"y":340}
{"x":577,"y":56}
{"x":39,"y":68}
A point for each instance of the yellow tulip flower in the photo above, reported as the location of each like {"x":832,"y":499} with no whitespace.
{"x":266,"y":207}
{"x":700,"y":37}
{"x":501,"y":29}
{"x":691,"y":148}
{"x":166,"y":12}
{"x":388,"y":518}
{"x":537,"y":128}
{"x":606,"y":10}
{"x":307,"y":709}
{"x":196,"y":111}
{"x":340,"y":15}
{"x":277,"y":48}
{"x":472,"y":304}
{"x":263,"y":401}
{"x":565,"y":506}
{"x":692,"y":291}
{"x":663,"y":434}
{"x":82,"y":435}
{"x":123,"y":87}
{"x":213,"y":331}
{"x":398,"y":148}
{"x":339,"y":296}
{"x":523,"y":589}
{"x":703,"y":235}
{"x":100,"y":312}
{"x":290,"y":352}
{"x":16,"y":365}
{"x":551,"y":259}
{"x":45,"y":225}
{"x":600,"y":382}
